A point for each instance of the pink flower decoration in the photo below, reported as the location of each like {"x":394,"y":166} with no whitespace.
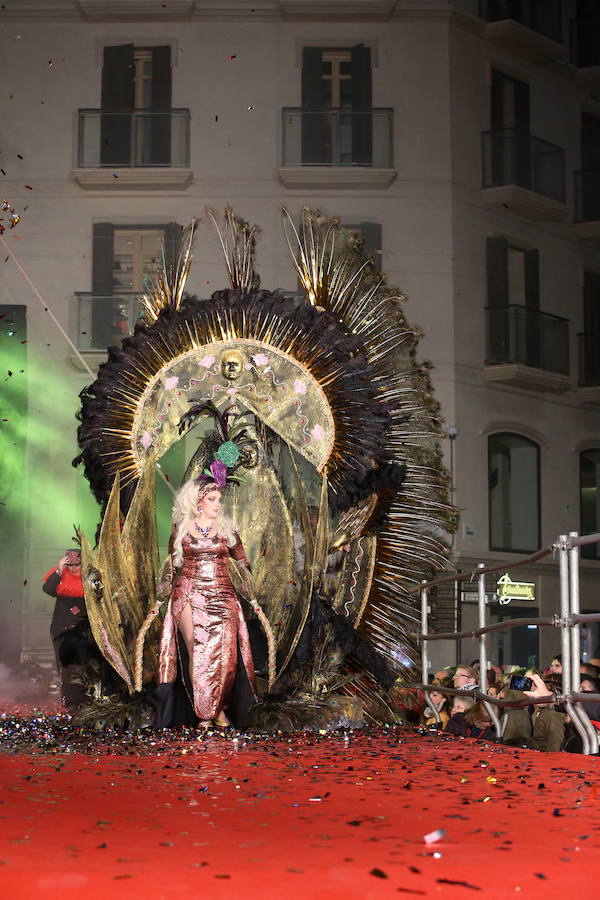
{"x":207,"y":361}
{"x":171,"y":382}
{"x":260,"y":359}
{"x":317,"y":432}
{"x":219,"y":472}
{"x":231,"y":392}
{"x":146,"y":440}
{"x":300,"y":386}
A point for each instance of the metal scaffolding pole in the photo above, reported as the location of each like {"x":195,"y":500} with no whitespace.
{"x":425,"y":651}
{"x":580,"y":713}
{"x":483,"y":649}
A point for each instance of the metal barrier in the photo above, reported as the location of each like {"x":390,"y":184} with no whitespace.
{"x":569,"y":620}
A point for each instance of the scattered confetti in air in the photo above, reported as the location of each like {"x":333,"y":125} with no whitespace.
{"x":11,"y":220}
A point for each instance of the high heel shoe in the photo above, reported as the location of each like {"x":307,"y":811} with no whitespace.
{"x":222,"y":721}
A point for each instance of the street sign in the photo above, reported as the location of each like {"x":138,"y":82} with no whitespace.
{"x":508,"y":590}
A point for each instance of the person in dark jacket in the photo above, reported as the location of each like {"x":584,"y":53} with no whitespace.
{"x":69,"y":628}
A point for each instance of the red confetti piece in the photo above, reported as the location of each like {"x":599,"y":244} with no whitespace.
{"x":28,"y":186}
{"x":233,"y":56}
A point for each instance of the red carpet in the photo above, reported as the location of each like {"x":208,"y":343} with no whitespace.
{"x":306,"y":816}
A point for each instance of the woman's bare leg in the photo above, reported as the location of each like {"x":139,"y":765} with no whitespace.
{"x":186,"y":627}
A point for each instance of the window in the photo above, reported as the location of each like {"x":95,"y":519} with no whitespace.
{"x":510,"y":150}
{"x":123,"y":258}
{"x":337,"y":106}
{"x":514,"y":325}
{"x":587,"y":181}
{"x":589,"y":340}
{"x":589,"y":499}
{"x":136,"y":93}
{"x":585,"y":34}
{"x":512,"y":274}
{"x":136,"y":254}
{"x":514,"y":493}
{"x":544,"y":16}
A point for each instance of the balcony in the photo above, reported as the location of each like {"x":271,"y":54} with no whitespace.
{"x":103,"y":321}
{"x":589,"y":367}
{"x":529,"y":28}
{"x":144,"y":149}
{"x":587,"y":205}
{"x":337,"y":148}
{"x":585,"y":48}
{"x":524,"y":174}
{"x":527,"y":348}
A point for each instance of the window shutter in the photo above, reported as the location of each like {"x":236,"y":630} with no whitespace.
{"x":172,"y":241}
{"x":532,"y":279}
{"x":316,"y":138}
{"x":591,"y":303}
{"x":497,"y":105}
{"x":533,"y":334}
{"x":497,"y":272}
{"x":522,"y":147}
{"x":118,"y":73}
{"x":362,"y":92}
{"x":362,"y":102}
{"x":497,"y":339}
{"x":312,"y":75}
{"x":118,"y":94}
{"x":160,"y":147}
{"x":102,"y":285}
{"x":102,"y":259}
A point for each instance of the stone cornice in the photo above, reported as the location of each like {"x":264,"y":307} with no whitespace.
{"x":231,"y":10}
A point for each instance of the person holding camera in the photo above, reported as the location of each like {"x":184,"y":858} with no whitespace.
{"x":69,"y":628}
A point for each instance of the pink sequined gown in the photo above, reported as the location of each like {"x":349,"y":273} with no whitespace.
{"x":203,"y":582}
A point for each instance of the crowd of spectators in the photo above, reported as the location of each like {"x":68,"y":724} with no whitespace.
{"x":539,"y":726}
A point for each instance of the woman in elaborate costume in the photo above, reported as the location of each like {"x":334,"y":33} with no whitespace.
{"x":205,"y":609}
{"x":346,"y":424}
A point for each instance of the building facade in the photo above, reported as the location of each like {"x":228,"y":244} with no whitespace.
{"x":460,"y":139}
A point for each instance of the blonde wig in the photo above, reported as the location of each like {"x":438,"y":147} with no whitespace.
{"x":185,"y":510}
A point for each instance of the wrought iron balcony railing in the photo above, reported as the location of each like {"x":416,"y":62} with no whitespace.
{"x":543,"y":16}
{"x":529,"y":337}
{"x":337,"y":137}
{"x":513,"y":156}
{"x":587,"y":195}
{"x":134,"y":138}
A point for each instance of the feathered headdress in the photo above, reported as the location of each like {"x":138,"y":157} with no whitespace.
{"x":225,"y":449}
